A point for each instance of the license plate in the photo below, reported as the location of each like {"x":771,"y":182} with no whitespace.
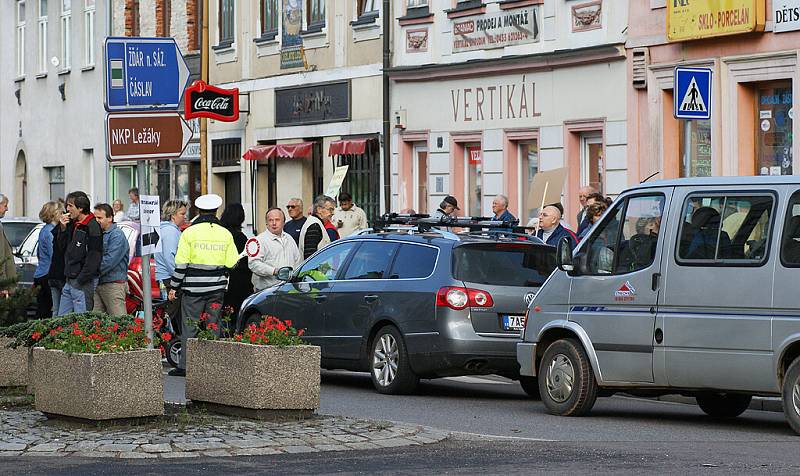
{"x":513,"y":323}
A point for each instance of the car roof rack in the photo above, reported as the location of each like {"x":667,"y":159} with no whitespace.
{"x":426,"y":222}
{"x":517,"y":234}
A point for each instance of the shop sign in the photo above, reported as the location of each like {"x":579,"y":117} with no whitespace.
{"x":497,"y":101}
{"x":498,"y":30}
{"x":693,"y":19}
{"x":204,"y":100}
{"x":474,"y":155}
{"x":786,"y":15}
{"x":329,"y":102}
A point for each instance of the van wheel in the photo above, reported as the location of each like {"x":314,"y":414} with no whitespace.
{"x":791,"y":396}
{"x":723,"y":405}
{"x":566,"y":379}
{"x":531,"y":386}
{"x":390,"y":369}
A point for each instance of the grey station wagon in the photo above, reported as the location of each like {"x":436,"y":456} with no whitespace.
{"x":687,"y":286}
{"x":405,"y":304}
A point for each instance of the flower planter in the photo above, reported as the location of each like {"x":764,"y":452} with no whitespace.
{"x":96,"y":387}
{"x":13,"y":365}
{"x":254,"y":377}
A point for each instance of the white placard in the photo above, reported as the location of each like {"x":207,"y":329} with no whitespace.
{"x":336,"y":181}
{"x":150,"y":236}
{"x":786,"y":15}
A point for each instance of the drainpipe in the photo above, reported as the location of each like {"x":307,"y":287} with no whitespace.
{"x":387,"y":125}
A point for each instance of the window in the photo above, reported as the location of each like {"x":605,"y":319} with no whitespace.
{"x":132,"y":18}
{"x":523,"y":264}
{"x":326,"y":265}
{"x":528,"y":168}
{"x":697,"y":162}
{"x":725,"y":229}
{"x":368,"y":7}
{"x":269,"y":17}
{"x":66,"y":34}
{"x":226,"y":22}
{"x":626,"y":240}
{"x":315,"y":14}
{"x":372,"y":261}
{"x":226,"y":152}
{"x":20,"y":38}
{"x":774,"y":129}
{"x":42,"y":36}
{"x":55,"y":176}
{"x":88,"y":32}
{"x":790,"y":244}
{"x":474,"y":167}
{"x":417,"y":3}
{"x":164,"y":12}
{"x":414,"y":262}
{"x":592,"y":161}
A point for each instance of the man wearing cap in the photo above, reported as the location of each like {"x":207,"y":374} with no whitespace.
{"x":446,"y":208}
{"x":206,"y":253}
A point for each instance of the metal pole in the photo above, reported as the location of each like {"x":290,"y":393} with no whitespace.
{"x":387,"y":124}
{"x":203,"y":120}
{"x":147,"y":289}
{"x":687,"y":149}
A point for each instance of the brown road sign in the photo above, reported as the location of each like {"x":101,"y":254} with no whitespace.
{"x":146,"y":135}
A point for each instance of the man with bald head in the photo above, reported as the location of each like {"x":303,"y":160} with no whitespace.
{"x":583,"y":195}
{"x":271,"y":250}
{"x":550,"y":228}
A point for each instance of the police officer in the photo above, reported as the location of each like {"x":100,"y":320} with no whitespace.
{"x":206,"y":252}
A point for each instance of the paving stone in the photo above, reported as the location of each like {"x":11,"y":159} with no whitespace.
{"x":44,"y":454}
{"x":363,"y":446}
{"x":12,"y":446}
{"x":243,"y":444}
{"x":118,"y":448}
{"x":10,"y":453}
{"x":290,"y":441}
{"x":299,"y":449}
{"x":255,"y":451}
{"x":394,"y":442}
{"x":348,"y":438}
{"x":47,"y":447}
{"x":203,"y":446}
{"x":332,"y":447}
{"x":217,"y":453}
{"x":137,"y":455}
{"x":179,"y":454}
{"x":157,"y":448}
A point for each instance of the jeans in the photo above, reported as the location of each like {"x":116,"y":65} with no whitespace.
{"x":55,"y":292}
{"x":76,"y":297}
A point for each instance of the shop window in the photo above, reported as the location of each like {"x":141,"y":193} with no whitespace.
{"x":473,"y":159}
{"x":774,"y":129}
{"x":315,"y":15}
{"x":123,"y":178}
{"x":269,"y":18}
{"x":421,"y":179}
{"x":363,"y":179}
{"x":187,"y":182}
{"x":528,"y":168}
{"x":55,"y":178}
{"x":592,"y":161}
{"x":226,"y":152}
{"x":227,"y":20}
{"x":696,"y":159}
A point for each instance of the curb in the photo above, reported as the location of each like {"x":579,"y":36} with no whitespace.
{"x":764,"y":404}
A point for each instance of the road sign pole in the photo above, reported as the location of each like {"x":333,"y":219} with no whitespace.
{"x":147,"y":288}
{"x":203,"y":121}
{"x":687,"y":148}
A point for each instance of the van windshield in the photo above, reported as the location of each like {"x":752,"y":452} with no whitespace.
{"x":504,"y":264}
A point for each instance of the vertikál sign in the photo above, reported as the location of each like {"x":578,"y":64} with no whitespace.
{"x":204,"y":100}
{"x":506,"y":28}
{"x":316,"y":104}
{"x":693,"y":19}
{"x":140,"y":136}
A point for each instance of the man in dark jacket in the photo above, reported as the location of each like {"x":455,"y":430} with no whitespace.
{"x":82,"y":243}
{"x":550,"y":228}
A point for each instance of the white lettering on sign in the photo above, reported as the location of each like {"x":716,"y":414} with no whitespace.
{"x":125,"y":136}
{"x":216,"y":104}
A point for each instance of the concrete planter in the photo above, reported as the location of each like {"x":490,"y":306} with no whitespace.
{"x":13,"y":365}
{"x":255,"y":377}
{"x":98,"y":386}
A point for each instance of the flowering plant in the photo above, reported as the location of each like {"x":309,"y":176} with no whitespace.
{"x":207,"y":330}
{"x":271,"y":331}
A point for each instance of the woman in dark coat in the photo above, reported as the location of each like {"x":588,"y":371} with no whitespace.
{"x":240,"y":285}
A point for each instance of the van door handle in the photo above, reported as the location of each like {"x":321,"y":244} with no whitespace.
{"x":320,"y":298}
{"x":656,"y":281}
{"x":370,"y":298}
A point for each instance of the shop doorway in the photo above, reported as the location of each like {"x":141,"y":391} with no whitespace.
{"x":528,"y":154}
{"x":363,"y":178}
{"x":317,"y":167}
{"x":473,"y":164}
{"x":21,"y":185}
{"x":421,"y":178}
{"x":233,"y":187}
{"x":774,"y":118}
{"x":592,"y":161}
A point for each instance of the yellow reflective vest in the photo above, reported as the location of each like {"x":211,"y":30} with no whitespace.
{"x":206,"y":252}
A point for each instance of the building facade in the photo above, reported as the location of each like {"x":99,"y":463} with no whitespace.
{"x":486,"y":94}
{"x":309,"y":74}
{"x":751,"y":48}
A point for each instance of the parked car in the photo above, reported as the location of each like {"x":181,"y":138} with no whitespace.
{"x":17,"y":229}
{"x":685,"y":286}
{"x":405,"y":305}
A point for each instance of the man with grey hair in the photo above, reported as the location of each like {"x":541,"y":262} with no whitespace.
{"x":7,"y":269}
{"x":296,"y":219}
{"x":500,"y":209}
{"x":314,"y":235}
{"x":583,"y":195}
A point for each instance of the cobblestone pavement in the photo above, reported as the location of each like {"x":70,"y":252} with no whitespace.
{"x":26,"y":432}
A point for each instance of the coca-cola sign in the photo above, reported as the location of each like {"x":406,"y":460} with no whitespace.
{"x":204,"y":100}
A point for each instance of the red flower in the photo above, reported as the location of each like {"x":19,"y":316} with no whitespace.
{"x":52,"y":332}
{"x":253,"y":338}
{"x":204,"y":316}
{"x":139,"y":321}
{"x":215,"y":306}
{"x":288,"y":323}
{"x":96,"y":323}
{"x":213,"y":326}
{"x":97,"y":345}
{"x":281,"y":326}
{"x":36,"y":335}
{"x":166,"y":336}
{"x":77,"y":332}
{"x":300,"y":332}
{"x":238,"y":337}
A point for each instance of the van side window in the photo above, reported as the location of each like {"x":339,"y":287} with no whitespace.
{"x":728,"y":229}
{"x":790,"y":244}
{"x":626,"y":239}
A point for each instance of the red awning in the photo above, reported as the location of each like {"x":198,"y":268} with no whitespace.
{"x":350,"y":146}
{"x":300,"y":150}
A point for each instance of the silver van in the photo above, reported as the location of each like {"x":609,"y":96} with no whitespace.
{"x":688,"y":287}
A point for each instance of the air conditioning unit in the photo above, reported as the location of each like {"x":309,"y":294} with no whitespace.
{"x":640,"y":59}
{"x":400,"y":119}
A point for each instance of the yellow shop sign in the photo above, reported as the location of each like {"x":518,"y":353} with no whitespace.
{"x":693,"y":19}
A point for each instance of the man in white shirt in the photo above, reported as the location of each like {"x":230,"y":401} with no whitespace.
{"x":271,"y":250}
{"x":348,"y":218}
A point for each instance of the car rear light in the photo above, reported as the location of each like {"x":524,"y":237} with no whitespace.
{"x":460,"y":298}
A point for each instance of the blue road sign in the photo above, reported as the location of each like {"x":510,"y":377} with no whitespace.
{"x":144,"y":74}
{"x":692,"y":93}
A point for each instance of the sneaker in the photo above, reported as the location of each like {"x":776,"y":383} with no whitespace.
{"x":177,"y":373}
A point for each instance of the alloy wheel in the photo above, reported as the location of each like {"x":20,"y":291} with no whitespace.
{"x":385,"y":359}
{"x":796,"y":397}
{"x":560,"y":378}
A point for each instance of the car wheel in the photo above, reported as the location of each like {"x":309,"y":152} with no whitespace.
{"x":173,"y":352}
{"x":566,"y":379}
{"x":390,"y":369}
{"x":531,"y":386}
{"x":791,"y":396}
{"x":252,"y":318}
{"x":723,"y":405}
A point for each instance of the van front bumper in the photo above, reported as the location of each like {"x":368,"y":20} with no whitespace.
{"x":526,"y":356}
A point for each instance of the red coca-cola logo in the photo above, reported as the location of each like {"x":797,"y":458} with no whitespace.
{"x":204,"y":100}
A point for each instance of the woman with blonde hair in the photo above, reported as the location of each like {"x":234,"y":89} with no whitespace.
{"x":49,"y":214}
{"x":119,"y":211}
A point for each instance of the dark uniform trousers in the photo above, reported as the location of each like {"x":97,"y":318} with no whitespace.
{"x":192,"y":309}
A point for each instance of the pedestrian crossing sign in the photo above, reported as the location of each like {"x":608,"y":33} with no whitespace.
{"x":692,"y":93}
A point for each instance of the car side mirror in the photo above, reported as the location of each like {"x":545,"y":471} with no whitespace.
{"x":285,"y":273}
{"x":564,"y":259}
